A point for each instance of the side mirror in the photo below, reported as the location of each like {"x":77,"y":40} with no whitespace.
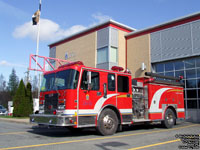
{"x":89,"y":80}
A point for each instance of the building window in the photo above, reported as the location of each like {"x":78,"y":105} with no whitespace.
{"x":122,"y":84}
{"x":190,"y":70}
{"x":192,"y":104}
{"x":113,"y":54}
{"x":190,"y":63}
{"x":159,"y":67}
{"x":102,"y":55}
{"x":190,"y":73}
{"x":179,"y":65}
{"x":191,"y":93}
{"x":169,"y":66}
{"x":191,"y":83}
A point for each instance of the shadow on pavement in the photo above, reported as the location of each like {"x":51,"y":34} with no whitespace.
{"x":62,"y":132}
{"x":65,"y":132}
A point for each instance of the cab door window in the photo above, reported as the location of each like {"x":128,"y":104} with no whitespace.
{"x":94,"y":81}
{"x":122,"y":84}
{"x":111,"y":82}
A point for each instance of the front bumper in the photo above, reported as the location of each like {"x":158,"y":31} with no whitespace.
{"x":53,"y":120}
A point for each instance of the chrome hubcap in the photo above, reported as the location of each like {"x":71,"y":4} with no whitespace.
{"x":170,"y":119}
{"x":108,"y":122}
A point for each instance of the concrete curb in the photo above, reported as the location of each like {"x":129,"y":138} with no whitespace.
{"x":22,"y":121}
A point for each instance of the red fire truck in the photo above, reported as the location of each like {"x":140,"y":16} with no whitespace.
{"x":77,"y":96}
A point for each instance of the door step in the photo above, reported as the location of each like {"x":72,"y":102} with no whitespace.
{"x":140,"y":120}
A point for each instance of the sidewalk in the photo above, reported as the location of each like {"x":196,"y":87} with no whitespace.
{"x":16,"y":120}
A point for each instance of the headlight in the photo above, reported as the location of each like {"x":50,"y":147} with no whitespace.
{"x":61,"y":104}
{"x":41,"y":105}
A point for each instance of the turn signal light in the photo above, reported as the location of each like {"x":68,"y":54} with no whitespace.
{"x":54,"y":112}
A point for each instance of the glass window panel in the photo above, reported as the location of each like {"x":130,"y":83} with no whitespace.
{"x":198,"y":73}
{"x":192,"y":104}
{"x":190,"y":63}
{"x":179,"y":73}
{"x":169,"y":66}
{"x":95,"y":81}
{"x":198,"y":84}
{"x":191,"y":93}
{"x":190,"y":74}
{"x":169,"y":74}
{"x":102,"y":55}
{"x":191,"y":83}
{"x":113,"y":54}
{"x":159,"y":67}
{"x":198,"y":62}
{"x":122,"y":84}
{"x":199,"y":93}
{"x":179,"y":65}
{"x":111,"y":82}
{"x":199,"y":103}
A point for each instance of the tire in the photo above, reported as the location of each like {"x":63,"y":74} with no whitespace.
{"x":170,"y":119}
{"x":107,"y":123}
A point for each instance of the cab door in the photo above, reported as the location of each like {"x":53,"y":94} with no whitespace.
{"x":89,"y":94}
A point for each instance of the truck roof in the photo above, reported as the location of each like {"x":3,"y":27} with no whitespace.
{"x":78,"y":65}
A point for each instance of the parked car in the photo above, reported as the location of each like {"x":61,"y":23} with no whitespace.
{"x":3,"y":111}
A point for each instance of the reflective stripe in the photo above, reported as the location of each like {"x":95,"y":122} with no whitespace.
{"x":96,"y":109}
{"x":125,"y":111}
{"x":154,"y":108}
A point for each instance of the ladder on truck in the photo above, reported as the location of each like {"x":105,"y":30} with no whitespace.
{"x":43,"y":64}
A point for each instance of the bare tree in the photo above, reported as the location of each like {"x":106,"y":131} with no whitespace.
{"x":2,"y":83}
{"x":4,"y":94}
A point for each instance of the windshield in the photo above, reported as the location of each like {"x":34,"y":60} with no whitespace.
{"x":67,"y":79}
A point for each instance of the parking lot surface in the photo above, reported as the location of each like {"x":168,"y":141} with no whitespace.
{"x":25,"y":136}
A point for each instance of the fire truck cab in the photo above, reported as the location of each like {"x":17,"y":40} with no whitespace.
{"x":77,"y":96}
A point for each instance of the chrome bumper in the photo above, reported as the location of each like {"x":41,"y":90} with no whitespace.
{"x":53,"y":120}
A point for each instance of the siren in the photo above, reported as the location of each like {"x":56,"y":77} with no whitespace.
{"x":117,"y":68}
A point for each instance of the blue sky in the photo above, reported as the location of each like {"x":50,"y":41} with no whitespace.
{"x":60,"y":18}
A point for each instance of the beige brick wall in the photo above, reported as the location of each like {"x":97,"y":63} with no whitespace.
{"x":121,"y":49}
{"x":138,"y":51}
{"x":80,"y":49}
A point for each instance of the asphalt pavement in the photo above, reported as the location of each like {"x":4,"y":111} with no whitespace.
{"x":19,"y":135}
{"x":16,"y":120}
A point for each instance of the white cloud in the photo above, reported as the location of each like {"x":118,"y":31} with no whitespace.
{"x":8,"y":64}
{"x":100,"y":17}
{"x":51,"y":31}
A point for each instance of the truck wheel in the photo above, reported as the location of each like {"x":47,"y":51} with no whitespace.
{"x":107,"y":123}
{"x":169,"y":119}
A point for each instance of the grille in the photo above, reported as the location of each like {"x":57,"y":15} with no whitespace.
{"x":51,"y":103}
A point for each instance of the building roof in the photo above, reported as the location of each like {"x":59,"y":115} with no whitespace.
{"x":102,"y":25}
{"x":165,"y":25}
